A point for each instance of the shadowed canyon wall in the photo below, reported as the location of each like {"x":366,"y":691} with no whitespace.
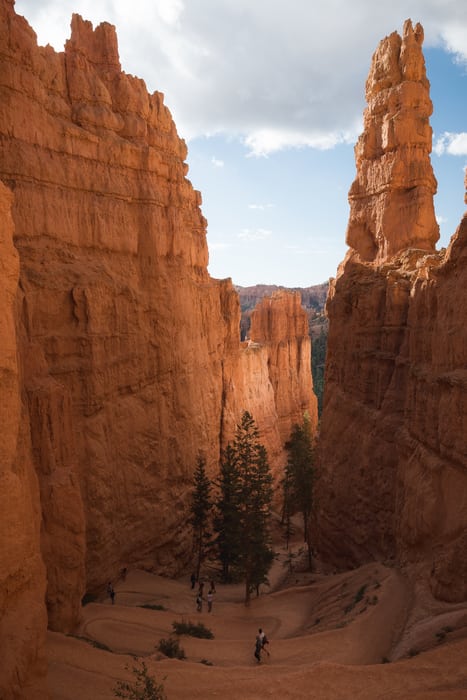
{"x":394,"y":426}
{"x":120,"y":357}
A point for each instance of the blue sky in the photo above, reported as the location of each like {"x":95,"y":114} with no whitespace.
{"x":269,"y":97}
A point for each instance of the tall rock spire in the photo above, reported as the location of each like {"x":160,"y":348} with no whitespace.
{"x":391,"y":199}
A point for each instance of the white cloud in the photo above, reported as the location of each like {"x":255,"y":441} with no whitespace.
{"x":261,"y":207}
{"x":169,"y":10}
{"x":266,"y":141}
{"x":275,"y":75}
{"x":453,"y":144}
{"x":441,"y":219}
{"x":217,"y":163}
{"x":258,"y":234}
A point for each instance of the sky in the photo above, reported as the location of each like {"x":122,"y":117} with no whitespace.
{"x":269,"y":96}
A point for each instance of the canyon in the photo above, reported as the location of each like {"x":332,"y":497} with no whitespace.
{"x":121,"y":361}
{"x":121,"y":358}
{"x":393,"y":436}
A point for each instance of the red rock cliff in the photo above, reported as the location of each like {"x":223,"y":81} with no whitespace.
{"x":130,"y":360}
{"x":394,"y":426}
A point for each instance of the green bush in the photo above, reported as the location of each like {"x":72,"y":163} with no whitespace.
{"x":145,"y":687}
{"x":171,"y":648}
{"x":192,"y":629}
{"x":88,"y":598}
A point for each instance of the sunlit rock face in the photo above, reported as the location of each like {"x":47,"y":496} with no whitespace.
{"x":120,"y":358}
{"x":394,"y":426}
{"x":391,"y":199}
{"x":280,"y":324}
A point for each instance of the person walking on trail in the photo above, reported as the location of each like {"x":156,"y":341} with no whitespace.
{"x":199,"y":603}
{"x":112,"y":595}
{"x":264,"y":640}
{"x":210,"y":598}
{"x":258,"y":648}
{"x":193,"y":580}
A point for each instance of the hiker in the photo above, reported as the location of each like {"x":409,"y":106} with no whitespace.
{"x":199,"y":603}
{"x":112,"y":595}
{"x":201,"y":588}
{"x":210,"y":598}
{"x":213,"y":586}
{"x":109,"y":589}
{"x":193,"y":580}
{"x":258,"y":647}
{"x":264,"y":640}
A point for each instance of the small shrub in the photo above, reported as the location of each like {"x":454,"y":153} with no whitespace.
{"x":440,"y":635}
{"x":192,"y":629}
{"x":145,"y":687}
{"x":206,"y":662}
{"x":88,"y":598}
{"x":360,"y":593}
{"x":152,"y":606}
{"x":171,"y":648}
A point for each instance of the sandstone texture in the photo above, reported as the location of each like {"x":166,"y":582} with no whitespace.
{"x":120,"y":357}
{"x":394,"y":426}
{"x":391,"y":199}
{"x":280,"y":324}
{"x":22,"y":575}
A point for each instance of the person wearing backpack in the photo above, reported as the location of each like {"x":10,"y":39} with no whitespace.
{"x":264,"y":640}
{"x":258,"y":647}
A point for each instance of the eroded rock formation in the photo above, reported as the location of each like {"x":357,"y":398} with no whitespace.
{"x":120,"y":356}
{"x":391,"y":199}
{"x":280,"y":324}
{"x":394,"y":426}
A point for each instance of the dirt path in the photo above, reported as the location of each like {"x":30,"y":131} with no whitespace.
{"x":329,"y":639}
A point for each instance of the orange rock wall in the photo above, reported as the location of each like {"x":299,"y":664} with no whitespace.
{"x":130,"y":361}
{"x":394,"y":425}
{"x":280,"y":324}
{"x":22,"y":574}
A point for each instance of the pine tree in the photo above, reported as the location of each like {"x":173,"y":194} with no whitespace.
{"x":255,"y":504}
{"x":244,"y":508}
{"x":286,"y":518}
{"x":227,"y":518}
{"x":200,"y":511}
{"x":299,"y":478}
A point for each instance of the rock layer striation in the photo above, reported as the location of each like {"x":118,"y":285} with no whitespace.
{"x":120,"y":357}
{"x":394,"y":425}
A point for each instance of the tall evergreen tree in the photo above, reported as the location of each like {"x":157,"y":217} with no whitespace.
{"x":300,"y":477}
{"x":227,"y":518}
{"x":200,"y":511}
{"x":255,"y":504}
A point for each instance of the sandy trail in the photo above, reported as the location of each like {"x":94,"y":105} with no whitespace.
{"x":330,"y":639}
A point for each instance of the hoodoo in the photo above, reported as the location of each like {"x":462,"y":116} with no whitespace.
{"x":394,"y":425}
{"x":120,"y":357}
